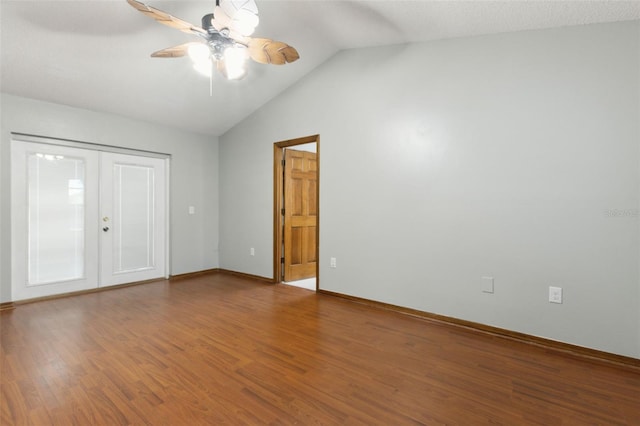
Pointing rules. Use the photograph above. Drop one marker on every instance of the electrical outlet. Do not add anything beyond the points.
(332, 262)
(252, 251)
(555, 294)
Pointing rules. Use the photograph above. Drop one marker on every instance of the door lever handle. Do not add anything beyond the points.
(105, 229)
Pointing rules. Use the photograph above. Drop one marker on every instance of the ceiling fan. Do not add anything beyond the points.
(225, 39)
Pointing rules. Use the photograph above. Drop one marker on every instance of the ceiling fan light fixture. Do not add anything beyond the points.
(198, 52)
(227, 44)
(204, 67)
(235, 62)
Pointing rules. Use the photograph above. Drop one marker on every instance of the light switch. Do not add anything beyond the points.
(487, 284)
(192, 210)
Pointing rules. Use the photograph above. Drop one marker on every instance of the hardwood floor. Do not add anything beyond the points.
(221, 349)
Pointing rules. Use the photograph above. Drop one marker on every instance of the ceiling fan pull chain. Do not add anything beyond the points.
(211, 81)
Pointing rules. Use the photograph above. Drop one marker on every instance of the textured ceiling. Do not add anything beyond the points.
(95, 54)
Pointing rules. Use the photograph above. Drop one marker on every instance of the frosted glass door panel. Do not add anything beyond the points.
(56, 230)
(134, 216)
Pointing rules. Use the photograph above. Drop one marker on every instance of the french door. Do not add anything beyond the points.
(83, 219)
(132, 218)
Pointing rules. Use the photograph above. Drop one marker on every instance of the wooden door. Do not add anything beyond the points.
(300, 214)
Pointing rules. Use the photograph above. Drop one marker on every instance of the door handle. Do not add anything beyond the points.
(105, 229)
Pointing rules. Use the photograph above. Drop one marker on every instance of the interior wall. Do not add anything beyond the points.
(194, 174)
(513, 156)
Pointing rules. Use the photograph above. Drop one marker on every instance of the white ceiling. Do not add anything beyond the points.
(95, 54)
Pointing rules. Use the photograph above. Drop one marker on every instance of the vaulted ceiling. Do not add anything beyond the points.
(95, 54)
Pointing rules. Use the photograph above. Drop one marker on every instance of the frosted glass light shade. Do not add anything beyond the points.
(235, 62)
(203, 67)
(198, 52)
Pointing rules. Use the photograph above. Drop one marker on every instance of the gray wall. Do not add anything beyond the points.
(194, 174)
(515, 156)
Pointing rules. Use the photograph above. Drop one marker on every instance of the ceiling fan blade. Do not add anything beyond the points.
(173, 52)
(165, 18)
(240, 17)
(220, 19)
(233, 7)
(266, 51)
(243, 15)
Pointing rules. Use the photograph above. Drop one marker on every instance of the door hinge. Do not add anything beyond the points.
(282, 260)
(282, 212)
(283, 163)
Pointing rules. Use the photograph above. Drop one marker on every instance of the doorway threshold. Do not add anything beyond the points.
(309, 283)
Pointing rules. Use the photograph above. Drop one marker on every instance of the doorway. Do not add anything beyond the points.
(85, 218)
(296, 211)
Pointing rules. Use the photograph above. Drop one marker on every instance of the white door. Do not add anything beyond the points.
(53, 219)
(132, 192)
(60, 199)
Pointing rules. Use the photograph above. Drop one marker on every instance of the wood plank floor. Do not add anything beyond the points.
(221, 349)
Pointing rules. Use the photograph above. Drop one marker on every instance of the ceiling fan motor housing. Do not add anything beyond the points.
(217, 41)
(206, 23)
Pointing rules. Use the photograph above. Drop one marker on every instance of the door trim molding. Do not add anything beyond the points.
(24, 137)
(278, 150)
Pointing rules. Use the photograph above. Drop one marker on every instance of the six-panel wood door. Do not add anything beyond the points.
(300, 215)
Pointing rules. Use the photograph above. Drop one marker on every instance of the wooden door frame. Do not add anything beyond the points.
(278, 152)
